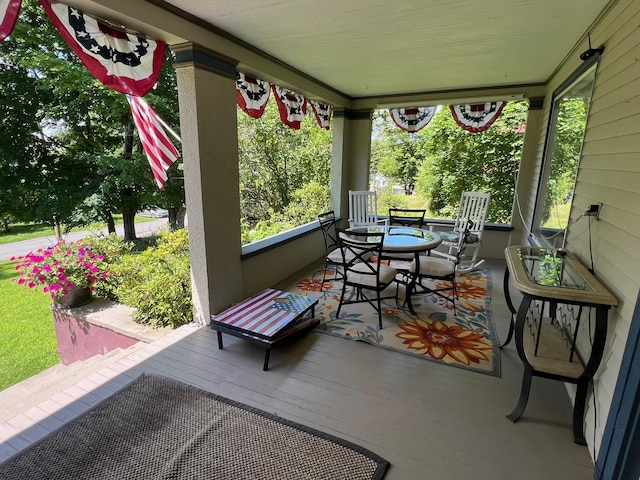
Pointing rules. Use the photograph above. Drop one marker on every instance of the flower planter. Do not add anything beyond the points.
(76, 297)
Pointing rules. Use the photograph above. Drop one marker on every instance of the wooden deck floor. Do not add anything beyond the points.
(430, 421)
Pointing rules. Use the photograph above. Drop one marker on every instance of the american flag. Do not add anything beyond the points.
(267, 313)
(161, 153)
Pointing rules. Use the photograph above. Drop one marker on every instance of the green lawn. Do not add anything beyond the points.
(27, 337)
(559, 216)
(27, 231)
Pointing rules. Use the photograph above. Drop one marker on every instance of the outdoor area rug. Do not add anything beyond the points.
(159, 428)
(466, 339)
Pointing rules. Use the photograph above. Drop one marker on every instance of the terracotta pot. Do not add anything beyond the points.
(76, 297)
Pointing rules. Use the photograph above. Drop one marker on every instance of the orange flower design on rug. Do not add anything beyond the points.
(443, 342)
(313, 285)
(470, 291)
(464, 338)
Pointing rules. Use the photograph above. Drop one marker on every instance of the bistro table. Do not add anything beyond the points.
(398, 240)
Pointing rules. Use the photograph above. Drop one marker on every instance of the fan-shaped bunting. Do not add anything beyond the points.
(125, 62)
(252, 94)
(322, 113)
(476, 117)
(292, 106)
(412, 119)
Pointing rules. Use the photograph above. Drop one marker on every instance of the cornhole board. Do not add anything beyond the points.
(266, 319)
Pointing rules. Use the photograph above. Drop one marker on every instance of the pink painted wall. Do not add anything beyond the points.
(80, 340)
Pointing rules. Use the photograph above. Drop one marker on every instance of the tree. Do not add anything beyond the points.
(21, 150)
(458, 161)
(395, 153)
(92, 166)
(277, 166)
(565, 153)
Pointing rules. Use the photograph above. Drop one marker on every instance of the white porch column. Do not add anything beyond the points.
(527, 183)
(351, 150)
(207, 99)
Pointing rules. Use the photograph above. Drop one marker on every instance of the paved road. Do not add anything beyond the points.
(25, 246)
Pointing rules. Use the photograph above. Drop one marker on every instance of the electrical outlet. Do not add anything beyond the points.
(594, 210)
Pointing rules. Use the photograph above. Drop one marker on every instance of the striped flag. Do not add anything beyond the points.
(9, 10)
(267, 313)
(161, 153)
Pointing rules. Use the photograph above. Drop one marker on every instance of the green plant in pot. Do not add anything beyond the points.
(68, 272)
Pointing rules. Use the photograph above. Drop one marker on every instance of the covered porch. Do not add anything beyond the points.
(430, 421)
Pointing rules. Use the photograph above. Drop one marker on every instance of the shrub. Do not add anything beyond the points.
(157, 282)
(113, 248)
(387, 199)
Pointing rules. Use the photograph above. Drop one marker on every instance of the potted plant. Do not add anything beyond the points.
(66, 271)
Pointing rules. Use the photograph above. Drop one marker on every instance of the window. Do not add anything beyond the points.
(285, 174)
(562, 156)
(431, 168)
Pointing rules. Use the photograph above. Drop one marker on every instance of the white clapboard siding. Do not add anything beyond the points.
(610, 173)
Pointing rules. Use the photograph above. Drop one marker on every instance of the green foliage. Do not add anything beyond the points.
(307, 202)
(563, 162)
(395, 153)
(281, 172)
(113, 248)
(73, 156)
(458, 161)
(22, 151)
(157, 282)
(387, 199)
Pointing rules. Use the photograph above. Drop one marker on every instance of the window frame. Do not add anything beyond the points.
(536, 232)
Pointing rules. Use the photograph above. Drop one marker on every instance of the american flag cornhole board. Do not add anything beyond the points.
(266, 318)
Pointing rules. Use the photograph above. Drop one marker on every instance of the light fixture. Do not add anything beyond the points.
(587, 54)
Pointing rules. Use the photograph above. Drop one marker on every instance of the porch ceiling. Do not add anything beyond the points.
(366, 48)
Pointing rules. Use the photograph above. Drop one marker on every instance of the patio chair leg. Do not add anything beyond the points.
(344, 288)
(324, 274)
(455, 295)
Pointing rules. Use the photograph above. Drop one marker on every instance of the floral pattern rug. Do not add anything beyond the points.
(466, 339)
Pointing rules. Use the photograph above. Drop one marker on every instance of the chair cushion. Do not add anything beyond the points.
(387, 275)
(335, 256)
(436, 267)
(454, 237)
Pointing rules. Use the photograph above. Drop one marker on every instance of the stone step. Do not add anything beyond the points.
(30, 392)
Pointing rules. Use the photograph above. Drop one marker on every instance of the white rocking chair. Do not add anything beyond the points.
(363, 209)
(473, 207)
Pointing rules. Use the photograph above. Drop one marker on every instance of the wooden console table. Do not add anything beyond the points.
(552, 282)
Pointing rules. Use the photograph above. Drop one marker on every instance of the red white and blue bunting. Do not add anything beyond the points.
(412, 119)
(125, 62)
(322, 112)
(477, 117)
(9, 10)
(252, 94)
(292, 106)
